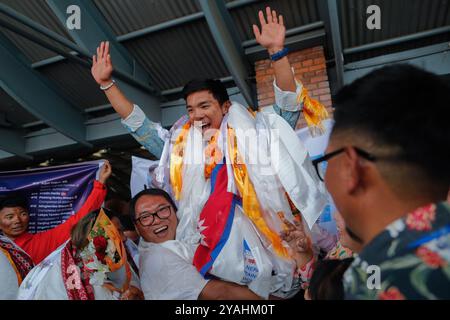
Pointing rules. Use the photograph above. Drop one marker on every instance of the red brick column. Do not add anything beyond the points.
(309, 67)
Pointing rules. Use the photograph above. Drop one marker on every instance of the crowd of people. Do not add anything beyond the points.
(227, 227)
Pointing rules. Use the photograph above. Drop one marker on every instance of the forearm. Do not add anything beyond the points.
(119, 102)
(222, 290)
(283, 74)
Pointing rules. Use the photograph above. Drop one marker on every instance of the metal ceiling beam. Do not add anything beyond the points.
(435, 58)
(177, 22)
(31, 91)
(106, 130)
(397, 40)
(295, 42)
(290, 32)
(13, 142)
(98, 130)
(82, 52)
(226, 37)
(94, 29)
(179, 89)
(331, 18)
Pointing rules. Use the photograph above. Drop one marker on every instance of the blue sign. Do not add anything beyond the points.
(53, 193)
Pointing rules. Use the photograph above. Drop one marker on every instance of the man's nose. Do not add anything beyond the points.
(156, 219)
(16, 219)
(198, 115)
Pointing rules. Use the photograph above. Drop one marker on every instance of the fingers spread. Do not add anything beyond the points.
(274, 16)
(106, 53)
(262, 20)
(281, 20)
(256, 32)
(269, 15)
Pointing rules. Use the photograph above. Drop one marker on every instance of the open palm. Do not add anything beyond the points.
(101, 64)
(272, 32)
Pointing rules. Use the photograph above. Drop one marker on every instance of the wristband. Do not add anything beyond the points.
(280, 54)
(107, 86)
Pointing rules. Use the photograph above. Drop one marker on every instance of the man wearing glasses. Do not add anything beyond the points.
(387, 171)
(165, 275)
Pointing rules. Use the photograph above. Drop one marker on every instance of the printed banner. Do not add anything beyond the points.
(53, 193)
(316, 148)
(141, 174)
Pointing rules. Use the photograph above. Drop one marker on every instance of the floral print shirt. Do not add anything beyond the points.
(410, 259)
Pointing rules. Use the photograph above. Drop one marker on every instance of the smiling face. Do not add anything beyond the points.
(204, 110)
(14, 221)
(161, 229)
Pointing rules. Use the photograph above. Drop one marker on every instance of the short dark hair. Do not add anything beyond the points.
(13, 201)
(150, 192)
(326, 281)
(216, 88)
(400, 107)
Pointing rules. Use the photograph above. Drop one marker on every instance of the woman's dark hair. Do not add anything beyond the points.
(80, 231)
(216, 88)
(150, 192)
(326, 281)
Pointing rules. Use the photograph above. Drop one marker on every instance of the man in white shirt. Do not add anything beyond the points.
(165, 274)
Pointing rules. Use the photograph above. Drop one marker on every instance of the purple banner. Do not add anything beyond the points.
(53, 194)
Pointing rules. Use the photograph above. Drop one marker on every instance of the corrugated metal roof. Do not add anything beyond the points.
(75, 83)
(13, 112)
(131, 15)
(398, 18)
(39, 11)
(177, 55)
(295, 13)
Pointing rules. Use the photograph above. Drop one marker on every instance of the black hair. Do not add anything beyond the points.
(13, 201)
(125, 219)
(216, 87)
(150, 192)
(326, 281)
(403, 108)
(127, 222)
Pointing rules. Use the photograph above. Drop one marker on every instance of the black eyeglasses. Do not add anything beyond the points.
(147, 218)
(321, 169)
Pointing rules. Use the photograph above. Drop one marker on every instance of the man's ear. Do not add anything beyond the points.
(353, 170)
(225, 107)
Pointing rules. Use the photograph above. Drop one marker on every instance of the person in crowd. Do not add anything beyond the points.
(92, 265)
(326, 281)
(224, 182)
(165, 274)
(131, 248)
(346, 245)
(14, 219)
(14, 266)
(308, 263)
(22, 250)
(388, 175)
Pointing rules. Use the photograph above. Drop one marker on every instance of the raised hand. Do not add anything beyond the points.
(101, 65)
(272, 32)
(132, 293)
(105, 172)
(298, 241)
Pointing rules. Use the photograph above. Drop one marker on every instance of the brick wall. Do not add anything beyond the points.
(309, 67)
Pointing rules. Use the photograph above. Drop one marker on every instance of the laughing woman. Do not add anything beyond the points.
(92, 265)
